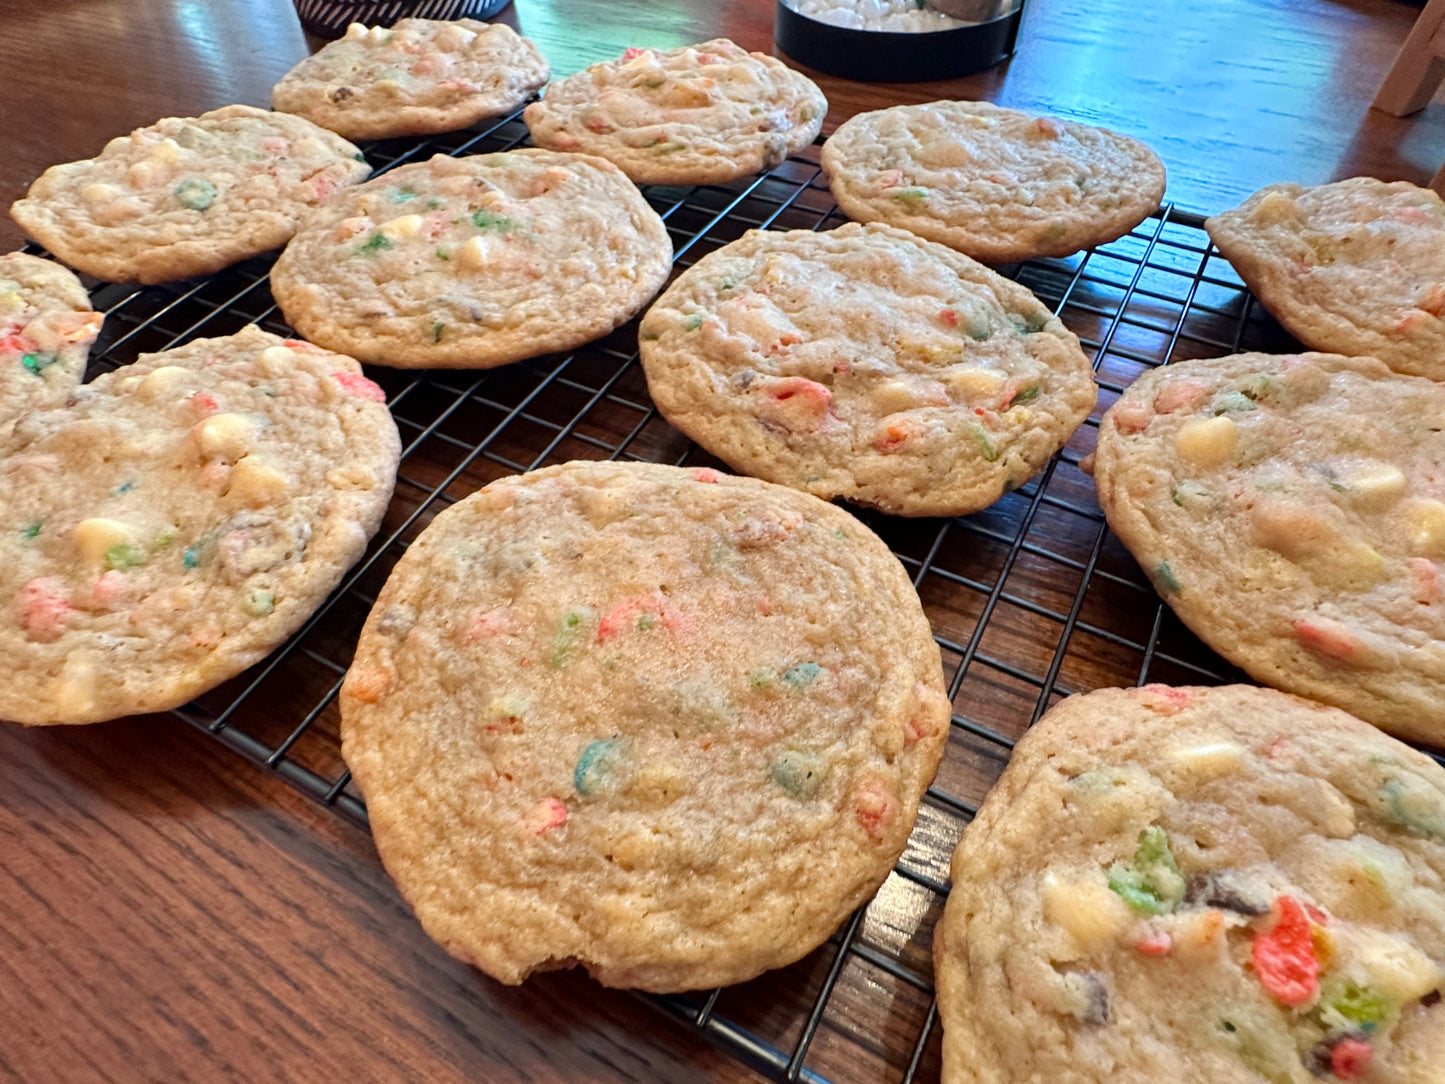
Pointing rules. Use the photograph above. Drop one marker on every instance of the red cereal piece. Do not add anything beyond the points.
(1131, 417)
(1434, 300)
(1155, 942)
(1350, 1058)
(706, 474)
(42, 607)
(203, 404)
(1329, 638)
(1049, 127)
(1424, 580)
(549, 813)
(368, 686)
(1185, 394)
(355, 384)
(1284, 957)
(109, 588)
(297, 344)
(597, 123)
(16, 344)
(874, 807)
(890, 437)
(1411, 321)
(1318, 917)
(633, 53)
(949, 318)
(1164, 699)
(488, 625)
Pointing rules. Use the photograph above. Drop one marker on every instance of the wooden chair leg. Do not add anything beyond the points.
(1419, 69)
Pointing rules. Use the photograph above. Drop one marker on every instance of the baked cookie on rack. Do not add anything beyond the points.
(666, 724)
(702, 114)
(417, 77)
(1354, 267)
(998, 184)
(1229, 885)
(1290, 510)
(865, 363)
(474, 262)
(46, 328)
(188, 195)
(178, 519)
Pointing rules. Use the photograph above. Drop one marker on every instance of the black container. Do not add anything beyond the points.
(330, 18)
(886, 56)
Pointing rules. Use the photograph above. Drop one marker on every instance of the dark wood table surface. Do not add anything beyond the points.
(169, 912)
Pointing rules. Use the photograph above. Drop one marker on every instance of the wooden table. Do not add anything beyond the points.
(167, 911)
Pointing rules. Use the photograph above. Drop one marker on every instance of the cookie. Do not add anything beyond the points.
(865, 363)
(188, 195)
(667, 724)
(702, 114)
(178, 519)
(45, 336)
(1355, 267)
(418, 77)
(1291, 511)
(474, 262)
(1229, 885)
(997, 184)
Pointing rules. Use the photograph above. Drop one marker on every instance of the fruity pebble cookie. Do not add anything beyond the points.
(188, 195)
(178, 519)
(474, 262)
(1292, 512)
(46, 328)
(1355, 267)
(701, 114)
(865, 363)
(1229, 885)
(418, 77)
(995, 183)
(667, 724)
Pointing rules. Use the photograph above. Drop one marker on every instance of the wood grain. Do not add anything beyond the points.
(170, 913)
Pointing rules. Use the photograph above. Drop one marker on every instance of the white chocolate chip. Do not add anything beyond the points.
(96, 536)
(355, 31)
(1208, 761)
(255, 483)
(276, 360)
(453, 39)
(1396, 968)
(1425, 527)
(147, 173)
(1275, 207)
(472, 255)
(75, 690)
(161, 383)
(1092, 914)
(403, 228)
(227, 436)
(1208, 443)
(973, 383)
(1374, 486)
(167, 152)
(100, 192)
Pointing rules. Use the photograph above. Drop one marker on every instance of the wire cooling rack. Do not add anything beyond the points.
(1030, 600)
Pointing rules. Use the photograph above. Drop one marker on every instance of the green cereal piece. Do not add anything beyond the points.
(646, 621)
(1414, 804)
(196, 193)
(1028, 394)
(258, 602)
(571, 634)
(1029, 325)
(443, 254)
(402, 195)
(1232, 402)
(485, 220)
(1153, 885)
(377, 242)
(693, 322)
(598, 768)
(802, 675)
(799, 772)
(125, 555)
(359, 156)
(986, 445)
(436, 331)
(30, 530)
(669, 148)
(1345, 1004)
(1164, 578)
(910, 195)
(1186, 493)
(38, 361)
(979, 329)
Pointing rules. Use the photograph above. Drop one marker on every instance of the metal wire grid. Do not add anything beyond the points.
(1030, 600)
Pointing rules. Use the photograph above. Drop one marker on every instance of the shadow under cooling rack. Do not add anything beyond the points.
(1030, 600)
